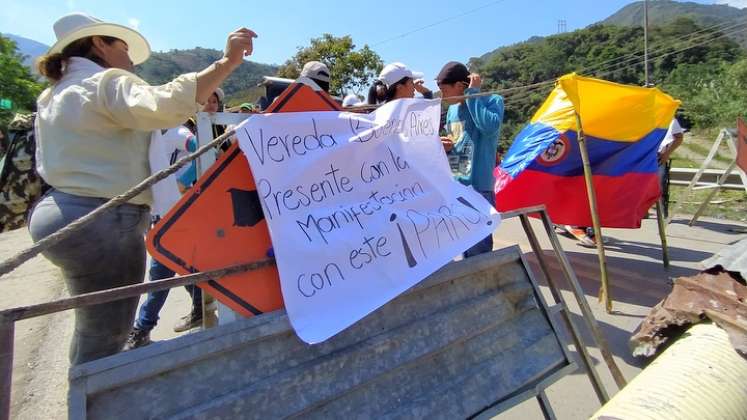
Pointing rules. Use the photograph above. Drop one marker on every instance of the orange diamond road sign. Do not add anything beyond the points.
(219, 223)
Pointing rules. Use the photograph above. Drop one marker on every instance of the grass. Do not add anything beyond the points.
(733, 204)
(726, 204)
(680, 162)
(702, 150)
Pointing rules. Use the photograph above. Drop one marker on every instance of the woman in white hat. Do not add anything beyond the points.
(93, 131)
(396, 81)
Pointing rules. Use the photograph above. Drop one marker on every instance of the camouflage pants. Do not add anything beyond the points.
(107, 253)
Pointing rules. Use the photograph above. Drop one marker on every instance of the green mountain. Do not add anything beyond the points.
(661, 12)
(161, 67)
(703, 68)
(240, 86)
(29, 48)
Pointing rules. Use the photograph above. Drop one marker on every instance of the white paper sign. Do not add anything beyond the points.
(360, 207)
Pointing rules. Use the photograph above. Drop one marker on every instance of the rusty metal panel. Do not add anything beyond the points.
(468, 338)
(715, 295)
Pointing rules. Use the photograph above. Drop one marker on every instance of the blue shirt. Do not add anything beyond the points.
(475, 126)
(189, 177)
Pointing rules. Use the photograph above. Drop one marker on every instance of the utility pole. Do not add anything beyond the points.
(645, 42)
(562, 26)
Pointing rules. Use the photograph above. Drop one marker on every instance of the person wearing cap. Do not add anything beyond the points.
(351, 100)
(473, 125)
(247, 108)
(398, 82)
(215, 104)
(316, 75)
(93, 133)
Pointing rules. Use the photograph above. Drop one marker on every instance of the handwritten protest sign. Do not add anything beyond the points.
(359, 207)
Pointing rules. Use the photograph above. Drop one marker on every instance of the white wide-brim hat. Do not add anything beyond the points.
(75, 26)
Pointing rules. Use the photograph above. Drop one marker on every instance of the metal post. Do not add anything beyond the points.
(696, 177)
(662, 231)
(645, 42)
(578, 293)
(716, 188)
(6, 367)
(534, 243)
(544, 404)
(586, 360)
(604, 293)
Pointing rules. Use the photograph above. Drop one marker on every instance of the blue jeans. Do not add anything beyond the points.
(149, 310)
(486, 244)
(108, 252)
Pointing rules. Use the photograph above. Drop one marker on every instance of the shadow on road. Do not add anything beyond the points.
(726, 226)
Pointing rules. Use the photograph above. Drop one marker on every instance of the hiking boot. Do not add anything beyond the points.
(187, 322)
(137, 338)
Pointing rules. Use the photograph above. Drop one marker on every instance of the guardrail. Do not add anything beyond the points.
(9, 316)
(683, 176)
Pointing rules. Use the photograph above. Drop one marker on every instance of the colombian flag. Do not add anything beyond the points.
(623, 126)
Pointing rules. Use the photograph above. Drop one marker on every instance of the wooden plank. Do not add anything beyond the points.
(110, 295)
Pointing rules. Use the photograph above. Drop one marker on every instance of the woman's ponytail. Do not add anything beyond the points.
(376, 93)
(50, 66)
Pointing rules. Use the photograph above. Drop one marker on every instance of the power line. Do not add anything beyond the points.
(522, 96)
(450, 18)
(635, 57)
(704, 40)
(619, 66)
(523, 92)
(636, 54)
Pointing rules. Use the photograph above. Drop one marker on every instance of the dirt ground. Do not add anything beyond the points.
(41, 346)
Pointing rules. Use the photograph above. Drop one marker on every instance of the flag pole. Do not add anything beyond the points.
(660, 203)
(604, 295)
(662, 231)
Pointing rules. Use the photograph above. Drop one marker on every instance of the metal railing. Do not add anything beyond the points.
(8, 317)
(708, 179)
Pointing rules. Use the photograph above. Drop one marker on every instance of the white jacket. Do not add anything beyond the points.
(93, 128)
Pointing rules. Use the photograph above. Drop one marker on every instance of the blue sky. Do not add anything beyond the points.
(284, 25)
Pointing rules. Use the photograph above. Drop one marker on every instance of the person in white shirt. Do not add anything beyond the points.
(396, 81)
(672, 140)
(316, 75)
(351, 100)
(93, 132)
(166, 147)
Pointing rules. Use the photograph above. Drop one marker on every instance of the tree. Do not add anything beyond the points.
(703, 71)
(16, 81)
(351, 70)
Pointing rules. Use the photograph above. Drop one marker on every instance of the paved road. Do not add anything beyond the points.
(638, 282)
(40, 365)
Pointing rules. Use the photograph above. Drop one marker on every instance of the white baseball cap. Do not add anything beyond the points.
(75, 26)
(316, 70)
(351, 100)
(220, 94)
(394, 72)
